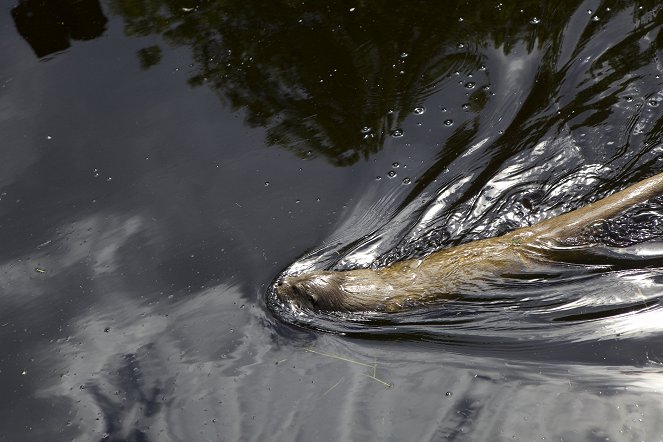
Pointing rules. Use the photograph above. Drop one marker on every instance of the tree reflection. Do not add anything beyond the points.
(48, 26)
(336, 79)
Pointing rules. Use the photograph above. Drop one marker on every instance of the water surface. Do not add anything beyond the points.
(165, 161)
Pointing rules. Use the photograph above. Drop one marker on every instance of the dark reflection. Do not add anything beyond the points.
(132, 400)
(48, 26)
(337, 80)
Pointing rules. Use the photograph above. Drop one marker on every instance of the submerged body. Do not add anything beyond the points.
(444, 273)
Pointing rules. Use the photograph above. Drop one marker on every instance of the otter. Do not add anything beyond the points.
(442, 274)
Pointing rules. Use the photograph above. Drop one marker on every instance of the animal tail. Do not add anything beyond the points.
(572, 223)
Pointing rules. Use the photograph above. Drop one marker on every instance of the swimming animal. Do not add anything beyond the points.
(442, 274)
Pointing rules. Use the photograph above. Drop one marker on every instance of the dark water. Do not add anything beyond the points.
(163, 161)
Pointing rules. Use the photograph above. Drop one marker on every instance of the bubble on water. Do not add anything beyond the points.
(365, 130)
(482, 68)
(628, 99)
(486, 88)
(378, 178)
(404, 54)
(448, 122)
(266, 183)
(406, 181)
(535, 20)
(595, 18)
(395, 165)
(589, 11)
(470, 85)
(461, 45)
(444, 109)
(298, 201)
(397, 133)
(653, 103)
(419, 110)
(448, 393)
(110, 178)
(391, 174)
(95, 173)
(460, 18)
(465, 107)
(107, 329)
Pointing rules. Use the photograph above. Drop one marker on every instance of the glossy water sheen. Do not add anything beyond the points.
(164, 161)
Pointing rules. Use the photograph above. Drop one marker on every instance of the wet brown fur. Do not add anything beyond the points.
(438, 276)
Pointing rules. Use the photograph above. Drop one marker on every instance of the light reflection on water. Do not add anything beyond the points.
(207, 366)
(194, 373)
